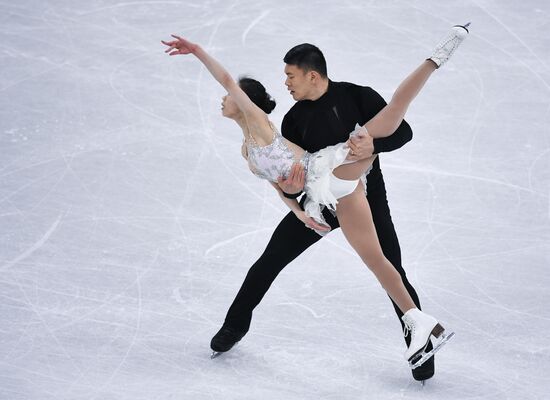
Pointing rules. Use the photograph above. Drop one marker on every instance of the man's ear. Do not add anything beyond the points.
(314, 76)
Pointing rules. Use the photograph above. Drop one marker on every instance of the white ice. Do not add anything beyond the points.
(128, 218)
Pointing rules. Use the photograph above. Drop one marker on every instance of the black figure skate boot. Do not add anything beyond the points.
(224, 340)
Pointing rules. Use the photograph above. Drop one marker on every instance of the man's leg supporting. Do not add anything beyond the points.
(289, 240)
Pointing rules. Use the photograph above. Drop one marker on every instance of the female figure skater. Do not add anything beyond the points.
(330, 180)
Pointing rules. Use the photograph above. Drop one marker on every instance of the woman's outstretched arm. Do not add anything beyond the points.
(184, 46)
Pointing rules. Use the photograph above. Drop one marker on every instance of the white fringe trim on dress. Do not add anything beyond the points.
(317, 186)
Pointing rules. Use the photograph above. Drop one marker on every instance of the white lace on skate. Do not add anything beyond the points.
(447, 46)
(408, 328)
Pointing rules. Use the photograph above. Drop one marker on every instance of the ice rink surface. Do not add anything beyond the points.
(128, 218)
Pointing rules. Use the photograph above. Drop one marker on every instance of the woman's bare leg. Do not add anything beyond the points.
(355, 219)
(354, 170)
(388, 119)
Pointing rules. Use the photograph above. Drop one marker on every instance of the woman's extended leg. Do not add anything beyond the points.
(355, 219)
(388, 119)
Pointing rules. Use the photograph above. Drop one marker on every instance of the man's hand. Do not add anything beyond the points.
(311, 223)
(295, 181)
(179, 46)
(361, 146)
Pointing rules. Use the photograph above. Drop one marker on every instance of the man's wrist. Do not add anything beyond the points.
(292, 196)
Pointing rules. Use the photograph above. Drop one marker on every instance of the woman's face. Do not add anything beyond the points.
(229, 107)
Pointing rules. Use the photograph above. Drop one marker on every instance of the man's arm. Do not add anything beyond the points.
(371, 103)
(398, 139)
(287, 127)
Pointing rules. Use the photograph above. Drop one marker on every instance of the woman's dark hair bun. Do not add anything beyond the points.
(257, 93)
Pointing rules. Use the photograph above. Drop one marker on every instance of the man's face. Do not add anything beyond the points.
(298, 82)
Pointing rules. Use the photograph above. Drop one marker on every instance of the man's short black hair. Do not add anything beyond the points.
(308, 58)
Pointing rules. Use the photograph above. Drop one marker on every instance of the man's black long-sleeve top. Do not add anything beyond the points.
(329, 120)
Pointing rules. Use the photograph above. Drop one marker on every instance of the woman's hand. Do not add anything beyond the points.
(311, 223)
(179, 46)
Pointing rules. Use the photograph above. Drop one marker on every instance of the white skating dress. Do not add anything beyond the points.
(322, 188)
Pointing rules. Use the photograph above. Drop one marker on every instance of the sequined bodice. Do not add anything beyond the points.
(271, 161)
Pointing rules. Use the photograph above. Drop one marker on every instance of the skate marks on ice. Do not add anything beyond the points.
(34, 247)
(76, 322)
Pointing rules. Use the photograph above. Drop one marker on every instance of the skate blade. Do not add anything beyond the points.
(426, 356)
(215, 354)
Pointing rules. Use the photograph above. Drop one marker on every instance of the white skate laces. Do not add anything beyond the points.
(408, 328)
(445, 49)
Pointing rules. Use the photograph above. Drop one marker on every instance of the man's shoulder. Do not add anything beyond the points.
(299, 107)
(338, 90)
(351, 87)
(294, 109)
(344, 85)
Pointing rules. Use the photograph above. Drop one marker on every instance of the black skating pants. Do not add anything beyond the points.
(291, 238)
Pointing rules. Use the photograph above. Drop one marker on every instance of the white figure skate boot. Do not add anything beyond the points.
(421, 326)
(447, 46)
